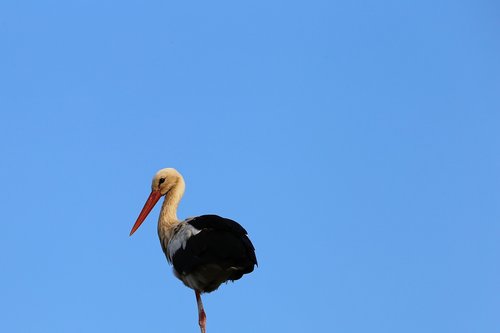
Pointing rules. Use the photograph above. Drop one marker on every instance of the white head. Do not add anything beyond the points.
(167, 182)
(167, 179)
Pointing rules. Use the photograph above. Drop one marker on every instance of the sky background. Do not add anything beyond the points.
(356, 141)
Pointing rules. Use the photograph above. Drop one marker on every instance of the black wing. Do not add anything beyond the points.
(222, 242)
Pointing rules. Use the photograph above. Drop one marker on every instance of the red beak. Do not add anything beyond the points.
(148, 206)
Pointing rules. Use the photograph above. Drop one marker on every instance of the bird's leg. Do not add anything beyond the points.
(202, 317)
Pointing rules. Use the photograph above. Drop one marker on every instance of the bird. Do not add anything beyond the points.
(205, 251)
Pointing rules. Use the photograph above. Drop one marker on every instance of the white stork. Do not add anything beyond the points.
(205, 250)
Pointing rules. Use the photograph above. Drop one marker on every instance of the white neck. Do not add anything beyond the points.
(168, 214)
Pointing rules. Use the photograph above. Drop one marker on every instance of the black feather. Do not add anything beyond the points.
(221, 242)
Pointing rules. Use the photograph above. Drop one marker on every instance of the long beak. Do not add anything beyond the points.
(148, 206)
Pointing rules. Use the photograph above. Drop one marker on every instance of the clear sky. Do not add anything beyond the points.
(356, 141)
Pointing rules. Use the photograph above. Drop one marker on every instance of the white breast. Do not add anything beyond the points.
(182, 233)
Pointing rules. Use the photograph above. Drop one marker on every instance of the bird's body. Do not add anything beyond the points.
(208, 250)
(205, 251)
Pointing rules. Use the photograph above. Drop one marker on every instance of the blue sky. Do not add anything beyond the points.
(356, 141)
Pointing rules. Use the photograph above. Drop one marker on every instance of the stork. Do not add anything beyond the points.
(206, 250)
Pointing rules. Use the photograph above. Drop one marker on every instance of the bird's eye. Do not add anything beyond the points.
(162, 180)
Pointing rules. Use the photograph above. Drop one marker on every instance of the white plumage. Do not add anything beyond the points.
(182, 232)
